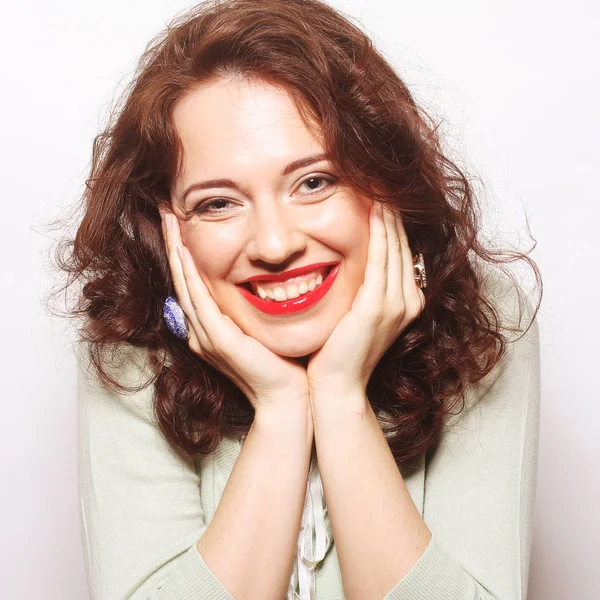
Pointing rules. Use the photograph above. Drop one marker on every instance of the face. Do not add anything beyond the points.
(270, 217)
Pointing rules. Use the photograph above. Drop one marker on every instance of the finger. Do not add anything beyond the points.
(414, 296)
(377, 259)
(377, 264)
(395, 287)
(205, 309)
(214, 330)
(173, 239)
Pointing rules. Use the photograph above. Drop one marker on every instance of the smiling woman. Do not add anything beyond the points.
(271, 175)
(283, 207)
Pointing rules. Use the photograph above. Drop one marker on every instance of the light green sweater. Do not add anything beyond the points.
(143, 508)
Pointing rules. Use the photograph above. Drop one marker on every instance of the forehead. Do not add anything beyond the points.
(238, 121)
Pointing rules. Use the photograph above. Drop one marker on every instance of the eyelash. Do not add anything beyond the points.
(202, 207)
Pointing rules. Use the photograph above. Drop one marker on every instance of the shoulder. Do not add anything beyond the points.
(514, 305)
(512, 386)
(129, 366)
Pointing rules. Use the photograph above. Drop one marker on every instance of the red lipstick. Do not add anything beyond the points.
(272, 307)
(287, 274)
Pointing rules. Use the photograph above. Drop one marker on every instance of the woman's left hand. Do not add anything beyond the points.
(385, 304)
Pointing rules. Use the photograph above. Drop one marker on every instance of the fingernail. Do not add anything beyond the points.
(169, 220)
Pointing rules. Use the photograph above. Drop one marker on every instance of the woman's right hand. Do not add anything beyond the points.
(271, 382)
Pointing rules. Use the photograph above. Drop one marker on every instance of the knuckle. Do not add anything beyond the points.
(400, 307)
(397, 308)
(195, 346)
(415, 309)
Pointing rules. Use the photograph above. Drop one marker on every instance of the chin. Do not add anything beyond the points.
(291, 351)
(295, 348)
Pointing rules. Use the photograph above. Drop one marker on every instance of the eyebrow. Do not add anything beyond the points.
(210, 183)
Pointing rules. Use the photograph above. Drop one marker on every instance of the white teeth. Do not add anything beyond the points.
(279, 294)
(292, 291)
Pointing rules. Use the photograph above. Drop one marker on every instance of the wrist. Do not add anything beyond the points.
(336, 400)
(284, 414)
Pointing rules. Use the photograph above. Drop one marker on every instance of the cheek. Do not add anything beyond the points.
(352, 230)
(213, 254)
(342, 223)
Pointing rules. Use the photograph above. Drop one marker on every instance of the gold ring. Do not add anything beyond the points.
(420, 273)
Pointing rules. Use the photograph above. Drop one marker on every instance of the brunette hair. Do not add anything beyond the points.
(382, 144)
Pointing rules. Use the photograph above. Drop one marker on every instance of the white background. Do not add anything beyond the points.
(516, 83)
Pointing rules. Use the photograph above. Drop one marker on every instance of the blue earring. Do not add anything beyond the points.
(175, 319)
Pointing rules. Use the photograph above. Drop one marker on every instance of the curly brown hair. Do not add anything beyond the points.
(380, 141)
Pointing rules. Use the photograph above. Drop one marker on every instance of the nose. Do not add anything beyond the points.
(274, 235)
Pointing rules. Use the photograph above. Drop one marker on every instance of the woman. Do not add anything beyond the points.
(284, 270)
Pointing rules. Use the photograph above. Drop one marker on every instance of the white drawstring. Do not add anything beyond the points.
(313, 539)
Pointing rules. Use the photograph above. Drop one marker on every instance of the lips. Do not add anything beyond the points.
(269, 286)
(270, 278)
(288, 307)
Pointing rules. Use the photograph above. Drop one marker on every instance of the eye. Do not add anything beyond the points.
(318, 178)
(204, 207)
(220, 205)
